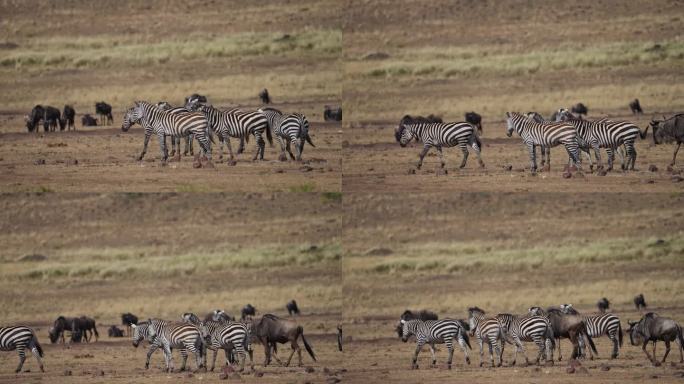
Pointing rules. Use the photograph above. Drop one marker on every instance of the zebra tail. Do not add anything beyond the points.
(308, 140)
(306, 344)
(643, 134)
(620, 334)
(681, 338)
(591, 342)
(475, 139)
(466, 339)
(269, 137)
(550, 336)
(39, 348)
(95, 330)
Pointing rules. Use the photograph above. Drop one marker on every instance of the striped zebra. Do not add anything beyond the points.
(487, 329)
(545, 151)
(212, 331)
(239, 124)
(433, 332)
(20, 337)
(291, 129)
(528, 328)
(599, 325)
(546, 135)
(167, 335)
(169, 123)
(621, 133)
(440, 135)
(175, 141)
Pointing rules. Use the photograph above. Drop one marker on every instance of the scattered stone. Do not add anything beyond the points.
(33, 257)
(602, 172)
(99, 373)
(309, 370)
(278, 170)
(333, 380)
(508, 167)
(582, 370)
(570, 370)
(647, 181)
(197, 164)
(574, 363)
(72, 162)
(605, 367)
(677, 179)
(657, 363)
(327, 371)
(376, 56)
(51, 145)
(567, 175)
(258, 374)
(306, 168)
(67, 372)
(652, 168)
(39, 162)
(412, 171)
(654, 376)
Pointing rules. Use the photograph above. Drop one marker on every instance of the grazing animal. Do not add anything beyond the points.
(104, 110)
(33, 119)
(248, 310)
(20, 337)
(168, 335)
(265, 98)
(653, 328)
(487, 329)
(603, 305)
(339, 337)
(528, 328)
(175, 141)
(669, 130)
(475, 119)
(640, 302)
(292, 129)
(62, 324)
(88, 121)
(332, 113)
(232, 337)
(87, 324)
(271, 329)
(433, 332)
(580, 109)
(598, 325)
(52, 118)
(440, 135)
(68, 118)
(423, 315)
(115, 331)
(292, 308)
(218, 315)
(565, 326)
(635, 107)
(194, 99)
(127, 320)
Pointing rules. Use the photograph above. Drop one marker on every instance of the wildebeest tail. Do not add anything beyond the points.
(306, 343)
(643, 134)
(620, 335)
(308, 140)
(680, 337)
(97, 335)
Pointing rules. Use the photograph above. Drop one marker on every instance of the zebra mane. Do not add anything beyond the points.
(271, 109)
(475, 309)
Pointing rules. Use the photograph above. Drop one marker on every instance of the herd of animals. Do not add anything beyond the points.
(566, 127)
(543, 327)
(217, 331)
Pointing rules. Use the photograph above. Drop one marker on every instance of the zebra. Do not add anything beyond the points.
(440, 135)
(544, 134)
(291, 129)
(528, 328)
(232, 337)
(622, 133)
(433, 332)
(487, 329)
(239, 124)
(175, 141)
(599, 325)
(169, 123)
(21, 337)
(168, 335)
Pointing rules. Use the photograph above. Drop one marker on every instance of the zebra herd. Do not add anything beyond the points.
(544, 328)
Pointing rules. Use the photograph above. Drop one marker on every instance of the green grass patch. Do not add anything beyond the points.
(306, 187)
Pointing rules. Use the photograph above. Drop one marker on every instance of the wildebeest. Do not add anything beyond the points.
(292, 308)
(68, 117)
(566, 326)
(652, 327)
(62, 324)
(104, 110)
(669, 130)
(32, 119)
(423, 315)
(271, 329)
(52, 118)
(218, 315)
(332, 113)
(475, 119)
(640, 302)
(87, 324)
(248, 310)
(195, 98)
(603, 305)
(635, 106)
(264, 96)
(88, 121)
(115, 331)
(128, 319)
(580, 109)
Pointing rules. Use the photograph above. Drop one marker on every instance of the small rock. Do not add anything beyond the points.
(189, 375)
(654, 376)
(309, 370)
(197, 164)
(67, 372)
(412, 171)
(605, 367)
(647, 181)
(278, 170)
(258, 374)
(582, 370)
(677, 179)
(570, 370)
(652, 168)
(332, 380)
(602, 172)
(657, 363)
(380, 252)
(39, 162)
(574, 363)
(327, 371)
(306, 168)
(567, 175)
(72, 162)
(507, 167)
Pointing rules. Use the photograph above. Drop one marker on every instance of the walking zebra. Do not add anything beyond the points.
(212, 333)
(599, 325)
(433, 332)
(20, 337)
(620, 133)
(440, 135)
(544, 134)
(292, 129)
(487, 329)
(528, 328)
(175, 141)
(168, 123)
(168, 335)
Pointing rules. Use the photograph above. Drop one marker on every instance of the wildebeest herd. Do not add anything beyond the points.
(216, 331)
(544, 327)
(51, 117)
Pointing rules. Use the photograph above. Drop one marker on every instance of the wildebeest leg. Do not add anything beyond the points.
(533, 157)
(267, 352)
(667, 350)
(294, 347)
(464, 149)
(643, 348)
(414, 362)
(422, 154)
(674, 157)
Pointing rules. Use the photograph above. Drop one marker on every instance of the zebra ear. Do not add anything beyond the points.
(402, 321)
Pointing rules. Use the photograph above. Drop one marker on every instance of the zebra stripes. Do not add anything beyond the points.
(291, 129)
(168, 335)
(546, 135)
(433, 332)
(440, 135)
(487, 329)
(599, 325)
(21, 338)
(232, 336)
(528, 328)
(622, 133)
(175, 141)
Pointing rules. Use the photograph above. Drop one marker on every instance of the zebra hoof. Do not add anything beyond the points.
(197, 164)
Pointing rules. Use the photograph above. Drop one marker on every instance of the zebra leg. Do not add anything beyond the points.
(162, 147)
(22, 358)
(184, 358)
(450, 349)
(616, 348)
(213, 360)
(289, 150)
(549, 349)
(153, 347)
(414, 362)
(481, 343)
(533, 157)
(464, 149)
(226, 140)
(299, 146)
(36, 354)
(441, 159)
(142, 154)
(261, 144)
(633, 157)
(283, 156)
(491, 354)
(462, 344)
(541, 343)
(432, 352)
(422, 154)
(499, 352)
(173, 146)
(478, 153)
(241, 148)
(597, 153)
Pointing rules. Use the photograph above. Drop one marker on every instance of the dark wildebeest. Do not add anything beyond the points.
(104, 110)
(332, 113)
(603, 305)
(652, 327)
(68, 117)
(408, 119)
(567, 326)
(115, 331)
(51, 118)
(271, 329)
(669, 130)
(88, 121)
(635, 106)
(339, 337)
(62, 324)
(194, 99)
(218, 315)
(580, 109)
(292, 308)
(423, 315)
(640, 302)
(32, 119)
(87, 324)
(475, 119)
(265, 98)
(128, 319)
(248, 310)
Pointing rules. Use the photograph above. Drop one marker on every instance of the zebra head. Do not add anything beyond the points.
(139, 333)
(474, 313)
(403, 135)
(191, 318)
(536, 311)
(407, 329)
(512, 119)
(564, 115)
(635, 332)
(131, 117)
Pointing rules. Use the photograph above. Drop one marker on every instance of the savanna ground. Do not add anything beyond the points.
(451, 57)
(160, 255)
(505, 253)
(121, 51)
